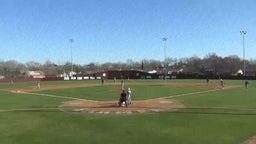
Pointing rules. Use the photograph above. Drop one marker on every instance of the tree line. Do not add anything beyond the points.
(211, 63)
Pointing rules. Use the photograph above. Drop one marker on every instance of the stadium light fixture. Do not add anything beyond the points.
(243, 33)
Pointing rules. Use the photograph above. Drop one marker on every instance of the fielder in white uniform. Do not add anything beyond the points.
(129, 96)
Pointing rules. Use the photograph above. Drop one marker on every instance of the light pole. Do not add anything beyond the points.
(243, 33)
(164, 39)
(71, 53)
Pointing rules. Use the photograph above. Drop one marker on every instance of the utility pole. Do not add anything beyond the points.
(164, 39)
(243, 33)
(71, 40)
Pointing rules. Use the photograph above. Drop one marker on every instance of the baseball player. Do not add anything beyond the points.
(123, 98)
(247, 84)
(129, 96)
(38, 84)
(222, 83)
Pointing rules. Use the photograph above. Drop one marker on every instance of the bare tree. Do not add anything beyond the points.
(12, 69)
(211, 63)
(50, 68)
(33, 65)
(232, 64)
(194, 65)
(92, 67)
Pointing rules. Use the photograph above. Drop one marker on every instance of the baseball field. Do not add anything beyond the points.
(162, 111)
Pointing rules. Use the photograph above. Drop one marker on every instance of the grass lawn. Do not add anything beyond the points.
(219, 117)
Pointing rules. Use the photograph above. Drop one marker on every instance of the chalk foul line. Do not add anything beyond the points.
(27, 109)
(55, 96)
(192, 93)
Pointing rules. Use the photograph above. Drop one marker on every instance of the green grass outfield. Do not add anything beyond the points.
(211, 117)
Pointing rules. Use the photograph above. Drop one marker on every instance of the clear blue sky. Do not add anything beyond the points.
(117, 30)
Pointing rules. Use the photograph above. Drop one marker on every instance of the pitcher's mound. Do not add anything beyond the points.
(111, 107)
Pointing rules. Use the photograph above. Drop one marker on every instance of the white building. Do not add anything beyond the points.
(36, 74)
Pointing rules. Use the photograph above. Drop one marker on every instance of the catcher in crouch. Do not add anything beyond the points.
(122, 99)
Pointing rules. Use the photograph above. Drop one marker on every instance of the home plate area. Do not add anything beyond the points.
(111, 107)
